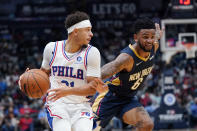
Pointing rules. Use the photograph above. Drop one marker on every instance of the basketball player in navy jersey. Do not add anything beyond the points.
(127, 74)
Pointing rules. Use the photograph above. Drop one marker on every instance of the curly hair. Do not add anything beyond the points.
(143, 23)
(75, 18)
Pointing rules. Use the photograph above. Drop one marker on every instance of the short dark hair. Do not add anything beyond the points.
(143, 23)
(75, 17)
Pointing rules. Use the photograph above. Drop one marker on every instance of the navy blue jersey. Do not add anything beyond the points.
(122, 89)
(127, 83)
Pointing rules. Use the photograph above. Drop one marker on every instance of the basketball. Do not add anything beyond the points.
(34, 83)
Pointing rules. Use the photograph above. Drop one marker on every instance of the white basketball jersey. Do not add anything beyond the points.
(68, 72)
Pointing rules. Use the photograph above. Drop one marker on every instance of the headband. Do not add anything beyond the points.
(82, 24)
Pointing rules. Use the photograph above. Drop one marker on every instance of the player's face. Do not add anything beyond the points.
(146, 38)
(85, 35)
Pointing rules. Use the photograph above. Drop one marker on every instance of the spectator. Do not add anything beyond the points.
(7, 126)
(26, 123)
(193, 109)
(42, 119)
(26, 109)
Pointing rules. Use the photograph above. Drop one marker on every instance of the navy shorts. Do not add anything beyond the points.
(107, 105)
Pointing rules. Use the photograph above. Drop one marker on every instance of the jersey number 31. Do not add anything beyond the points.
(71, 84)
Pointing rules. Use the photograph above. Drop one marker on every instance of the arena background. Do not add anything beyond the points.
(170, 93)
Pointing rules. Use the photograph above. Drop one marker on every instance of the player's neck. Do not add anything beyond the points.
(141, 52)
(144, 54)
(72, 46)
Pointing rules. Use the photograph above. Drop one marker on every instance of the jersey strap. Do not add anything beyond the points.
(86, 55)
(54, 54)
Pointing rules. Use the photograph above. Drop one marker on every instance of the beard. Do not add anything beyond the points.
(143, 47)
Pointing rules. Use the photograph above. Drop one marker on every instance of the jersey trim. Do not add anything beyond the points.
(98, 101)
(142, 58)
(52, 115)
(50, 119)
(85, 57)
(64, 52)
(116, 81)
(54, 54)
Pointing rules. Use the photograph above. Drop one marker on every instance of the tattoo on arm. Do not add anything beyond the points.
(123, 61)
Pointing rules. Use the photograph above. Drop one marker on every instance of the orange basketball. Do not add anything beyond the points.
(34, 83)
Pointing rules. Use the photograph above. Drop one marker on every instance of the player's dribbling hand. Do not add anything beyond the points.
(99, 85)
(57, 93)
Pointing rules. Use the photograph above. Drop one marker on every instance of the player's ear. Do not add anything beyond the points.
(75, 31)
(135, 37)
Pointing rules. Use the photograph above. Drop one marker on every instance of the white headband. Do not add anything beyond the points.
(82, 24)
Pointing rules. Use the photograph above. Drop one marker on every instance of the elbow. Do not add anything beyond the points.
(103, 76)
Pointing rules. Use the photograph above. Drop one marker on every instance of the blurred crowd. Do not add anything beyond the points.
(23, 47)
(17, 111)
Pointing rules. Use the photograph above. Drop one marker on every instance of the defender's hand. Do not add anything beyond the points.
(158, 32)
(99, 85)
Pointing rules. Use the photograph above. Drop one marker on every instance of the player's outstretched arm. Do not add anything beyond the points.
(88, 89)
(158, 34)
(122, 62)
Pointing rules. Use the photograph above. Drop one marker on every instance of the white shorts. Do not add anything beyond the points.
(70, 112)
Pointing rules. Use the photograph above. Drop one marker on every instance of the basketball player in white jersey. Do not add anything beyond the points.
(71, 64)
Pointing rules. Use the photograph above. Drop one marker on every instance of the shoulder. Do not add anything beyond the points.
(124, 57)
(125, 60)
(92, 53)
(92, 50)
(128, 49)
(50, 45)
(93, 56)
(54, 43)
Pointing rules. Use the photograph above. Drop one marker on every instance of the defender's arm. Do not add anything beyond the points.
(122, 62)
